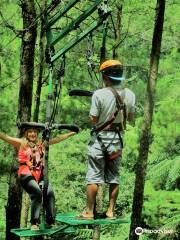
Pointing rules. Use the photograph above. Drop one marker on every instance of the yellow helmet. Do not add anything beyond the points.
(113, 69)
(109, 63)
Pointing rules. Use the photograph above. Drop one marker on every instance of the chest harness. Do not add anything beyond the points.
(34, 159)
(110, 126)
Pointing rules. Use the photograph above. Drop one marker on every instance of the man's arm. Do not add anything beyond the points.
(130, 100)
(94, 110)
(131, 118)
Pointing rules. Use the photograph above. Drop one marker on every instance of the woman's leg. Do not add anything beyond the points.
(50, 206)
(33, 189)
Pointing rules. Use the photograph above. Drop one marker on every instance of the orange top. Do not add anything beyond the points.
(30, 159)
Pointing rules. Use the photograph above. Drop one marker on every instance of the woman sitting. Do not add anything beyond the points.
(31, 160)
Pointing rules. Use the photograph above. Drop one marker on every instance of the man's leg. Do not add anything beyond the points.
(91, 198)
(91, 192)
(94, 176)
(113, 194)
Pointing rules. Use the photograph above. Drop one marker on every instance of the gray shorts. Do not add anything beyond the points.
(99, 169)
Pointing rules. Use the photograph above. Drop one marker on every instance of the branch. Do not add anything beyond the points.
(53, 5)
(11, 27)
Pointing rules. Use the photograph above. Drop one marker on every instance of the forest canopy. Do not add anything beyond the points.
(129, 39)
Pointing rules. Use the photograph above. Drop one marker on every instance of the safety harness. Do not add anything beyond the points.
(110, 126)
(121, 107)
(35, 167)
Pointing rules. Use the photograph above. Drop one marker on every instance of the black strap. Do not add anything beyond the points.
(104, 125)
(104, 148)
(21, 164)
(120, 105)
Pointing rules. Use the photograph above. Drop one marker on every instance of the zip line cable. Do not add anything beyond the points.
(57, 93)
(89, 57)
(56, 102)
(15, 79)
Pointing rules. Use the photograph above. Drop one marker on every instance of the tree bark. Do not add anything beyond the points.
(27, 60)
(41, 67)
(24, 210)
(145, 139)
(118, 31)
(99, 206)
(13, 209)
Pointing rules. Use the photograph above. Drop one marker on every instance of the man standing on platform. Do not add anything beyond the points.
(111, 107)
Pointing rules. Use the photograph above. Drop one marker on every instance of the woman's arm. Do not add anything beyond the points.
(15, 142)
(61, 138)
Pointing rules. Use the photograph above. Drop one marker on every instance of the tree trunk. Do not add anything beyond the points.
(118, 31)
(13, 208)
(24, 210)
(99, 206)
(41, 68)
(27, 60)
(145, 139)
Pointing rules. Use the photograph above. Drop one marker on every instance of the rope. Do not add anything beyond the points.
(57, 92)
(89, 56)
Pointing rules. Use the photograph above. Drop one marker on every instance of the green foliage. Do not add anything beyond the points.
(161, 210)
(67, 162)
(67, 170)
(119, 232)
(165, 175)
(130, 151)
(3, 198)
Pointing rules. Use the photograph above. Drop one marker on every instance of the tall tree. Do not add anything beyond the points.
(41, 61)
(145, 139)
(24, 108)
(117, 31)
(27, 60)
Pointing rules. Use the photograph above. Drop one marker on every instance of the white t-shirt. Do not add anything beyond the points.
(103, 104)
(103, 107)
